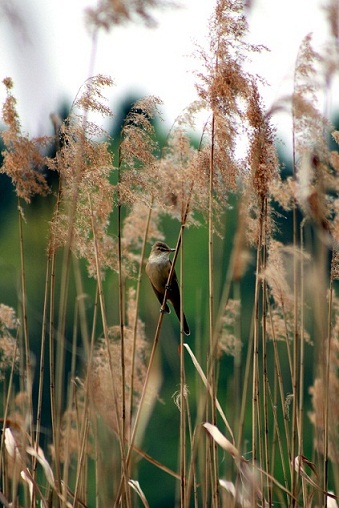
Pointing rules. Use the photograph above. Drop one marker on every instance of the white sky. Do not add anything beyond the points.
(51, 60)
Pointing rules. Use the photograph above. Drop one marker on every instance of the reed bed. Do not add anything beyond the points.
(254, 413)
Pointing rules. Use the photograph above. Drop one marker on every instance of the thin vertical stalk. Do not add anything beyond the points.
(191, 476)
(57, 347)
(301, 361)
(71, 399)
(81, 298)
(86, 384)
(96, 462)
(137, 298)
(327, 387)
(27, 370)
(211, 370)
(183, 479)
(122, 328)
(122, 340)
(257, 446)
(42, 364)
(237, 360)
(278, 437)
(255, 372)
(245, 390)
(55, 432)
(7, 394)
(51, 332)
(183, 391)
(277, 369)
(124, 463)
(81, 456)
(295, 385)
(295, 367)
(61, 329)
(264, 348)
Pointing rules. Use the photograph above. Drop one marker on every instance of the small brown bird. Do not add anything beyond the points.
(158, 268)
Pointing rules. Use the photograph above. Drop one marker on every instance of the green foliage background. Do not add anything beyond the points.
(161, 437)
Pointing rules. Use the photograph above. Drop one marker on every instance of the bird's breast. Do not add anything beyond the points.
(157, 271)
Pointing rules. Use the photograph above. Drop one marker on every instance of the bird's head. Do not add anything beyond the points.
(160, 247)
(160, 250)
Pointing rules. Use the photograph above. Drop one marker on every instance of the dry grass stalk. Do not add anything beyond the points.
(100, 385)
(84, 165)
(318, 391)
(23, 160)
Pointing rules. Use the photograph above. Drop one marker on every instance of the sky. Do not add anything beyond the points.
(48, 53)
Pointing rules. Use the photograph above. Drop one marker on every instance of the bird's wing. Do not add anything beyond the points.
(174, 297)
(160, 297)
(174, 291)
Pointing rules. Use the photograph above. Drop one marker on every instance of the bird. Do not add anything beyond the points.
(157, 269)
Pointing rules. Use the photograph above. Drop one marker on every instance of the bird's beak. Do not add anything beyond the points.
(172, 250)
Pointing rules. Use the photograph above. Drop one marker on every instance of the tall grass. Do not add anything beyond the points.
(260, 368)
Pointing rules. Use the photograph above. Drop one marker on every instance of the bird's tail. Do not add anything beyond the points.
(186, 327)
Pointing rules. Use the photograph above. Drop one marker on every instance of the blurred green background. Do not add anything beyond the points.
(162, 434)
